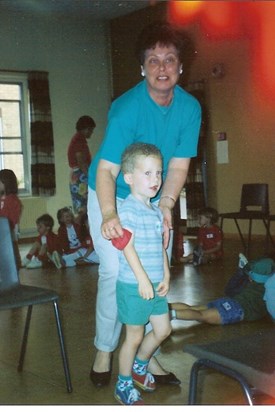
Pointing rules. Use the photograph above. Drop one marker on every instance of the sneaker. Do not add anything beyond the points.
(242, 261)
(25, 261)
(128, 396)
(145, 382)
(34, 263)
(187, 259)
(56, 259)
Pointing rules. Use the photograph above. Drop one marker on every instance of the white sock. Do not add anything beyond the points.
(173, 314)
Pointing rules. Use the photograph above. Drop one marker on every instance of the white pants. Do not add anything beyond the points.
(70, 258)
(108, 327)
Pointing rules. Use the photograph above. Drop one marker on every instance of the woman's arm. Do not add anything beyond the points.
(173, 184)
(81, 162)
(107, 173)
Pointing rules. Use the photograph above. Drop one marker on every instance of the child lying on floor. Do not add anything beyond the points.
(248, 304)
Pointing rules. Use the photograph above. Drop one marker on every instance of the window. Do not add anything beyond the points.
(15, 128)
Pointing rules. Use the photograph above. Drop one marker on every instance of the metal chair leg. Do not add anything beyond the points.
(25, 339)
(62, 347)
(206, 363)
(240, 233)
(192, 397)
(249, 238)
(268, 236)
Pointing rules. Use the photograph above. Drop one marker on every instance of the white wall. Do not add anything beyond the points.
(249, 121)
(76, 55)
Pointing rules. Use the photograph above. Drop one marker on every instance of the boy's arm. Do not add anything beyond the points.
(213, 249)
(163, 287)
(145, 287)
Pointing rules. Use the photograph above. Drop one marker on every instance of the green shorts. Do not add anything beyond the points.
(133, 309)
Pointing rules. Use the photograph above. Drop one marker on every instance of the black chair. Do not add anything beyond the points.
(249, 359)
(13, 295)
(254, 206)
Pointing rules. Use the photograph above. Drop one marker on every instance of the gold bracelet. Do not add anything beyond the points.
(168, 197)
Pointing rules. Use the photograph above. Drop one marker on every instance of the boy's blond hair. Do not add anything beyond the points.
(135, 150)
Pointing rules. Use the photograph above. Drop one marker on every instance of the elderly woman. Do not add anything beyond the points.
(155, 111)
(79, 159)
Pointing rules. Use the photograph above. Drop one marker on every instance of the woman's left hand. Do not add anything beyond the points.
(167, 224)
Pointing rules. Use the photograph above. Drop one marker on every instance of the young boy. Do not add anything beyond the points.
(143, 280)
(210, 239)
(46, 242)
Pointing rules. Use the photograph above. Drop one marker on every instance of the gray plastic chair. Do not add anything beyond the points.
(13, 295)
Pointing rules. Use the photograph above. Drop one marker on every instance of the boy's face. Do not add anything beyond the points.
(204, 221)
(42, 229)
(146, 179)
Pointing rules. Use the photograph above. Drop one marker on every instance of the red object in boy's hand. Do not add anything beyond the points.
(121, 242)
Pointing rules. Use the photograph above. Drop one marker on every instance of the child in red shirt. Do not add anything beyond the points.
(45, 244)
(210, 239)
(74, 241)
(11, 207)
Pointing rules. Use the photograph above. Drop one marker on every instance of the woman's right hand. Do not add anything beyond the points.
(111, 227)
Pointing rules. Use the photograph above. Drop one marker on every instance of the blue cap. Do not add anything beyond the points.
(260, 269)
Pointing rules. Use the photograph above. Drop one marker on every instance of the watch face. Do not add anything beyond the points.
(218, 70)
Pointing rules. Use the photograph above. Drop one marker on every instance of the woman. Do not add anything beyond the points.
(155, 111)
(79, 159)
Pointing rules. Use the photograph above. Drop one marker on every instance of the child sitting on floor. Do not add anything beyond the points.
(74, 241)
(11, 207)
(46, 243)
(210, 239)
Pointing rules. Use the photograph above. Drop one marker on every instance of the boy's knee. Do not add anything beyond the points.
(162, 335)
(212, 316)
(169, 330)
(135, 338)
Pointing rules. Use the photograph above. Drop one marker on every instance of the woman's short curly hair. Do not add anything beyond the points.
(84, 122)
(163, 33)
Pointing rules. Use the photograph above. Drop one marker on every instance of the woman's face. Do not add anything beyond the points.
(161, 68)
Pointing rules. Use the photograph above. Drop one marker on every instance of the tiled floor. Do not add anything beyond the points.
(42, 380)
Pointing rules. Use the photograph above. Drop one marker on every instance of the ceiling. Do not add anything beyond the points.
(102, 9)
